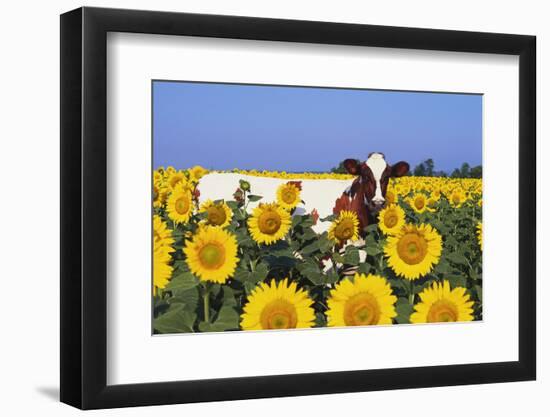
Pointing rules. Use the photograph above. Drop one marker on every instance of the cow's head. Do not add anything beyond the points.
(373, 176)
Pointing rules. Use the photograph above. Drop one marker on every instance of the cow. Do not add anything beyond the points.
(316, 194)
(366, 195)
(363, 195)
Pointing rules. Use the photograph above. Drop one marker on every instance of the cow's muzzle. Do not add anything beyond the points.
(376, 206)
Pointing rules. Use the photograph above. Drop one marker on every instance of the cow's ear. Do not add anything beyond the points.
(352, 166)
(399, 169)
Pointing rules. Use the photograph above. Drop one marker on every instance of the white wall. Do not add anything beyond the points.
(29, 161)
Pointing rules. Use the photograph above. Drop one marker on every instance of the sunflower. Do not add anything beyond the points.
(269, 223)
(212, 254)
(391, 219)
(431, 205)
(158, 177)
(436, 194)
(391, 197)
(277, 306)
(418, 202)
(159, 195)
(162, 235)
(175, 178)
(162, 270)
(413, 250)
(288, 196)
(180, 204)
(197, 172)
(162, 248)
(439, 304)
(217, 214)
(479, 228)
(345, 227)
(367, 300)
(457, 197)
(400, 189)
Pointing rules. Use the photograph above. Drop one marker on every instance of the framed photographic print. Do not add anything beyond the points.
(258, 207)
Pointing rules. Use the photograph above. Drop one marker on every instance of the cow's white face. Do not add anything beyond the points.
(366, 195)
(377, 164)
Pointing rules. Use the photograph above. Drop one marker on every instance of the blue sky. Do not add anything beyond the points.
(224, 126)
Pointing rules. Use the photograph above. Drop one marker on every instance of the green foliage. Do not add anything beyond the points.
(426, 169)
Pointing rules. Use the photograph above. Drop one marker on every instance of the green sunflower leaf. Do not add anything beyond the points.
(296, 220)
(228, 319)
(233, 205)
(176, 320)
(371, 228)
(456, 280)
(351, 257)
(253, 198)
(325, 245)
(311, 248)
(373, 249)
(189, 298)
(307, 221)
(329, 218)
(260, 273)
(183, 281)
(404, 310)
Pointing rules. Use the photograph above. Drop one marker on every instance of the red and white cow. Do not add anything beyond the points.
(364, 195)
(367, 193)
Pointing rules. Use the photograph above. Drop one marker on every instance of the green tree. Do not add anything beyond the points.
(455, 173)
(476, 172)
(419, 170)
(465, 170)
(429, 164)
(424, 169)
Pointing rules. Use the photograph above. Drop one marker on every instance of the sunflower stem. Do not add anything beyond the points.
(411, 295)
(206, 301)
(245, 201)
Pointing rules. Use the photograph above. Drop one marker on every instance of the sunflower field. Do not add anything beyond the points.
(219, 266)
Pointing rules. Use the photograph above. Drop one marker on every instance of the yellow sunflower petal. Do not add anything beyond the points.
(440, 304)
(212, 254)
(277, 306)
(367, 300)
(269, 223)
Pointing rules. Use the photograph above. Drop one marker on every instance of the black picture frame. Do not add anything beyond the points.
(84, 207)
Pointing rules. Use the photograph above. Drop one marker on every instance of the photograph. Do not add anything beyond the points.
(291, 207)
(275, 208)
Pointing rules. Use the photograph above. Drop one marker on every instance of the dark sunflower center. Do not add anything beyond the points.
(288, 196)
(212, 256)
(442, 311)
(279, 314)
(412, 248)
(269, 222)
(390, 219)
(361, 310)
(344, 230)
(216, 215)
(182, 205)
